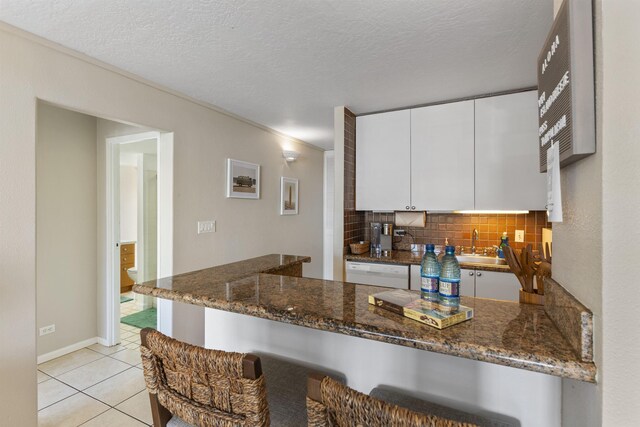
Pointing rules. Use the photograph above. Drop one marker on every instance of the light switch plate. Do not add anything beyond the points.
(519, 236)
(45, 330)
(206, 227)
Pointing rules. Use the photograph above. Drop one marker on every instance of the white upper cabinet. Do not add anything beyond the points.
(442, 158)
(383, 161)
(467, 155)
(507, 173)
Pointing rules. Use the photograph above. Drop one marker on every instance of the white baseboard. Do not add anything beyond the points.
(103, 341)
(68, 349)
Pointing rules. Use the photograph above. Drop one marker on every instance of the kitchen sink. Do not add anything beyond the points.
(481, 259)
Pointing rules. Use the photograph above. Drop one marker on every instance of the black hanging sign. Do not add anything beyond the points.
(565, 85)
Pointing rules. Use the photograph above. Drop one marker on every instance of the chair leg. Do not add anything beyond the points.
(161, 415)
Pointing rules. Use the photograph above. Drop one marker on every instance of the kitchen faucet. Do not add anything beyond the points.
(474, 237)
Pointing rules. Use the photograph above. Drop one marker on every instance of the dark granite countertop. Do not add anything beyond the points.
(506, 333)
(414, 258)
(223, 273)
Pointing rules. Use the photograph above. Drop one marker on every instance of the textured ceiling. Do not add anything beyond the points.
(286, 64)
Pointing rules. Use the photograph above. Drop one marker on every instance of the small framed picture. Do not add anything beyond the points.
(243, 179)
(288, 196)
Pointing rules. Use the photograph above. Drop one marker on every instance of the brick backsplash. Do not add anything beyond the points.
(354, 226)
(457, 228)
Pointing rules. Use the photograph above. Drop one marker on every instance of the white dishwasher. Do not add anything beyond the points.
(369, 273)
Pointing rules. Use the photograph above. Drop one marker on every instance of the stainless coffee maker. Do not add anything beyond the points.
(386, 237)
(376, 232)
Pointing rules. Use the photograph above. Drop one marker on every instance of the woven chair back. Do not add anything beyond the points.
(205, 388)
(331, 403)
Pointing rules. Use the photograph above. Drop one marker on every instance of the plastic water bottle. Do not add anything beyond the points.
(449, 289)
(430, 275)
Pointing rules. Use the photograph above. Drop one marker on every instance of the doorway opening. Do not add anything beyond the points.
(78, 280)
(139, 210)
(138, 229)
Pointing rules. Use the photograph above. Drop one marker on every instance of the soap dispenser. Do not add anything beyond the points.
(504, 241)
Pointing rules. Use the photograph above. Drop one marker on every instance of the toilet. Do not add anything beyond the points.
(132, 273)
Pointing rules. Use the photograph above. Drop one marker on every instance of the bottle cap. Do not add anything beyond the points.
(450, 249)
(430, 247)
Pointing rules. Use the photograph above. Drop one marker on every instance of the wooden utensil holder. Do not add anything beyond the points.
(529, 298)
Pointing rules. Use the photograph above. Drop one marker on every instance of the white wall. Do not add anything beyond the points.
(620, 125)
(577, 254)
(148, 215)
(66, 226)
(128, 203)
(499, 392)
(147, 249)
(594, 249)
(31, 69)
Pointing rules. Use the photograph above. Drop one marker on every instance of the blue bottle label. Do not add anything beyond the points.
(449, 288)
(429, 284)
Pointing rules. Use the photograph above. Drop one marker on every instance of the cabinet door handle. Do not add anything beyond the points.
(471, 273)
(413, 208)
(407, 208)
(478, 274)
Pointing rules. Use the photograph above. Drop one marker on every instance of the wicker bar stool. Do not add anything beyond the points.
(190, 385)
(330, 403)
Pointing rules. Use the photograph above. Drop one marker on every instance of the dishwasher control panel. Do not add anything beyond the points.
(378, 274)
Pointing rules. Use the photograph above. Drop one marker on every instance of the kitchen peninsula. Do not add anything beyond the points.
(336, 316)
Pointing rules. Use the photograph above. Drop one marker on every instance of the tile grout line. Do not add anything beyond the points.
(109, 407)
(108, 404)
(137, 419)
(101, 381)
(58, 401)
(96, 399)
(80, 391)
(79, 366)
(114, 406)
(97, 415)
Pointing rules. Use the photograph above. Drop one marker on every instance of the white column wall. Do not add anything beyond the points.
(500, 392)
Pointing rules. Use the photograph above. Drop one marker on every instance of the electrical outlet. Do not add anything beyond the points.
(519, 236)
(206, 227)
(45, 330)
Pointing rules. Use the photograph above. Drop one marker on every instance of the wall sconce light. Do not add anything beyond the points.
(290, 156)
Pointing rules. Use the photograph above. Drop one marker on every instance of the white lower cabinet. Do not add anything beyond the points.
(480, 284)
(490, 284)
(496, 285)
(467, 283)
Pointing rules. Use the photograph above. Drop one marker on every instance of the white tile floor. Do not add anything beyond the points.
(97, 385)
